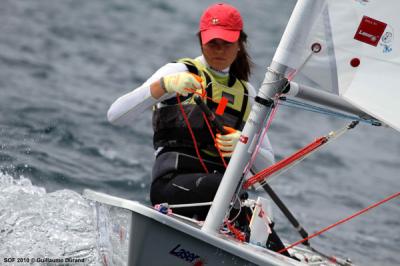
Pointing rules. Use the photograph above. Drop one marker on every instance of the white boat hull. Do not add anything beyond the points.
(158, 239)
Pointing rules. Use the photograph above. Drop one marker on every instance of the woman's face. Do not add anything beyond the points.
(220, 54)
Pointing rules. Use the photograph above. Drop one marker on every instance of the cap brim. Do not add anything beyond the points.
(226, 35)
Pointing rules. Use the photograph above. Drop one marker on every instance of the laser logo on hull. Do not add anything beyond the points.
(186, 255)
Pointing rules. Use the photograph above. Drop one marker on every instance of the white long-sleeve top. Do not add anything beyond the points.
(127, 107)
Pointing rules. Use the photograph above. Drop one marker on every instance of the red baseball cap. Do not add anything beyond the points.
(220, 21)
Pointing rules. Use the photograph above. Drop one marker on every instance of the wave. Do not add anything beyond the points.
(35, 224)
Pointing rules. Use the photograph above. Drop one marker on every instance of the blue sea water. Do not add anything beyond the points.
(62, 63)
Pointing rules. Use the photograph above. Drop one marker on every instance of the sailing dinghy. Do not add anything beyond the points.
(340, 54)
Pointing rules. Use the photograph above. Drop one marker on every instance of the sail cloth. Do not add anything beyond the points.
(360, 52)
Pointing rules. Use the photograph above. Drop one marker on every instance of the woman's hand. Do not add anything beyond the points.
(182, 83)
(227, 142)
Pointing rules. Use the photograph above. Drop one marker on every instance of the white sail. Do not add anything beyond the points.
(359, 57)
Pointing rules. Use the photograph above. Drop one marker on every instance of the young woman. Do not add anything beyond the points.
(189, 166)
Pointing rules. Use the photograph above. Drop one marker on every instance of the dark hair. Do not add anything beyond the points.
(241, 67)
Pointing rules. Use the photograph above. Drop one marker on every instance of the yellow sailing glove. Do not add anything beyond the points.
(227, 142)
(182, 83)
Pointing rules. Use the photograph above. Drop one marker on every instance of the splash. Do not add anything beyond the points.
(56, 227)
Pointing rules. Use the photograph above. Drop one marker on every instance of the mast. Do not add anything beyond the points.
(302, 18)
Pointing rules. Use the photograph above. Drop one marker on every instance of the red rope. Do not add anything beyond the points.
(264, 132)
(341, 221)
(215, 142)
(239, 235)
(285, 162)
(272, 116)
(191, 134)
(204, 95)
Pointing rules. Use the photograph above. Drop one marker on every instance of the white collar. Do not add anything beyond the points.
(221, 73)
